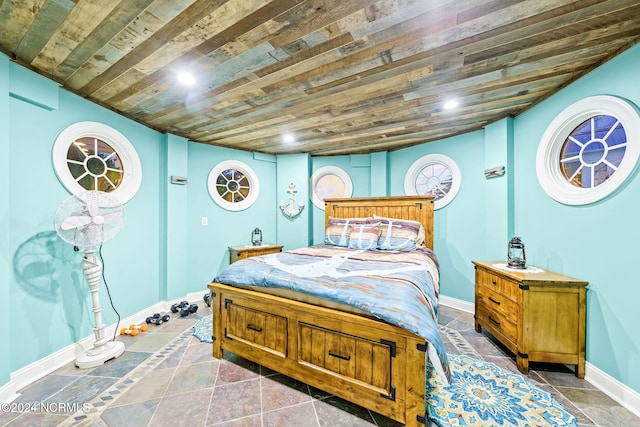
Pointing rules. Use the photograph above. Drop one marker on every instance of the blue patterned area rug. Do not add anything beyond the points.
(483, 394)
(202, 329)
(480, 394)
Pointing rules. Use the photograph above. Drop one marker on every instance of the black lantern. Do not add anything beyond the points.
(515, 254)
(256, 237)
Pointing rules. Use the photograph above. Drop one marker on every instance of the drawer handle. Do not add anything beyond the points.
(253, 328)
(493, 281)
(339, 356)
(494, 301)
(494, 321)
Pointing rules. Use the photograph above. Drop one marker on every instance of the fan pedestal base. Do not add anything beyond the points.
(92, 358)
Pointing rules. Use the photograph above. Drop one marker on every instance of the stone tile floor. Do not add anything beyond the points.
(167, 377)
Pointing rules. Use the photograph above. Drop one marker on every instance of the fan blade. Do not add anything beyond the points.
(94, 235)
(112, 216)
(92, 202)
(75, 222)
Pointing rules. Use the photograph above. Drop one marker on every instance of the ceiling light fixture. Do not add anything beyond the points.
(288, 138)
(186, 79)
(450, 104)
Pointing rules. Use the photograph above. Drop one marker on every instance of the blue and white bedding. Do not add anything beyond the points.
(398, 287)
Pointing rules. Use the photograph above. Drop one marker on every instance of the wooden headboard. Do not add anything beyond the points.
(417, 208)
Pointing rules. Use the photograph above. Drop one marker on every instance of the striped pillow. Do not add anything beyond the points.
(338, 230)
(363, 236)
(399, 234)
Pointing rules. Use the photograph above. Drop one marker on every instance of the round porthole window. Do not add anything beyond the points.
(233, 185)
(94, 156)
(329, 182)
(434, 174)
(589, 150)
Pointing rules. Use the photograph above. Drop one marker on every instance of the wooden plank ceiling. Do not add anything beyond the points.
(340, 76)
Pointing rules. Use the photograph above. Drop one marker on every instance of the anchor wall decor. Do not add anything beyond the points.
(290, 210)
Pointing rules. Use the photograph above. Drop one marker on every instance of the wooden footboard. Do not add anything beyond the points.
(363, 360)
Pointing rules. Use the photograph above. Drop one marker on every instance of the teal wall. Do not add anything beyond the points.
(207, 247)
(164, 252)
(293, 232)
(499, 146)
(174, 218)
(379, 174)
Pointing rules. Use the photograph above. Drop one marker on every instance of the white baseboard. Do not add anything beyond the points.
(36, 370)
(458, 304)
(619, 392)
(8, 392)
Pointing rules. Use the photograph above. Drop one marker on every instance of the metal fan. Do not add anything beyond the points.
(88, 220)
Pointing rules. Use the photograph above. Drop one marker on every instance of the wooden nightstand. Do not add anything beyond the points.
(241, 252)
(540, 317)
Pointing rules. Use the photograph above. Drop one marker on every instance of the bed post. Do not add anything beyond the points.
(216, 319)
(415, 403)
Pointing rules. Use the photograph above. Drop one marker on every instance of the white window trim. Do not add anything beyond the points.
(247, 171)
(130, 161)
(548, 169)
(418, 165)
(329, 170)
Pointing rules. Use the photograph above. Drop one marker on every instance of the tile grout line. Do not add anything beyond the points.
(313, 404)
(260, 377)
(101, 402)
(213, 392)
(584, 414)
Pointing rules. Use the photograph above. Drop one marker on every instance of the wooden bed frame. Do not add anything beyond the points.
(361, 359)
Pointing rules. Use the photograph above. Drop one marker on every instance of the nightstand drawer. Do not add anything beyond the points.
(497, 322)
(498, 284)
(498, 303)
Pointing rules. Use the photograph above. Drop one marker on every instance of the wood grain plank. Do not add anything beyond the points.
(187, 18)
(312, 15)
(118, 19)
(15, 19)
(49, 18)
(69, 34)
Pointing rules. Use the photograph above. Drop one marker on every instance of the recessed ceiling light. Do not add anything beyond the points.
(450, 104)
(288, 138)
(186, 79)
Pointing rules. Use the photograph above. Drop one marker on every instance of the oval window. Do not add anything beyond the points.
(233, 185)
(329, 182)
(94, 156)
(589, 150)
(434, 174)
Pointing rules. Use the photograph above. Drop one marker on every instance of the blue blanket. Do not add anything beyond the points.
(398, 287)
